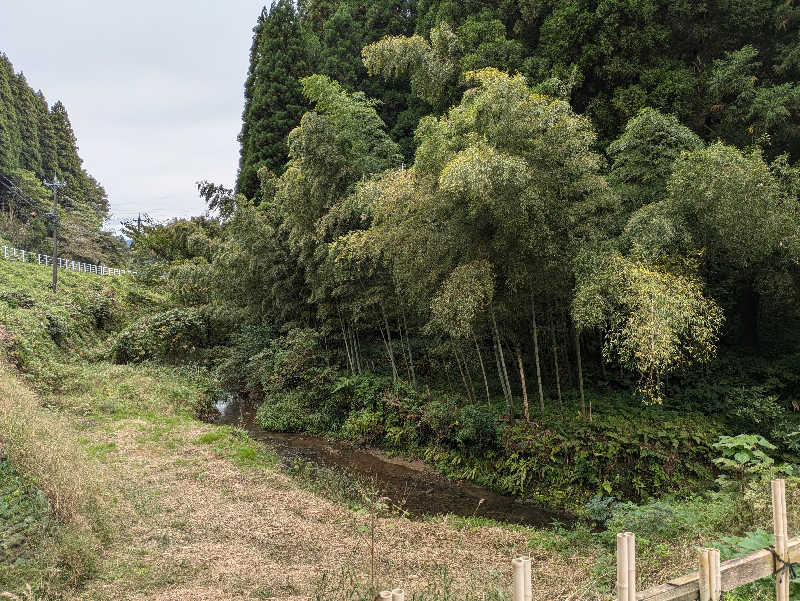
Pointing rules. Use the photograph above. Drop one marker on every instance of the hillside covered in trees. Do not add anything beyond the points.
(549, 247)
(37, 142)
(726, 70)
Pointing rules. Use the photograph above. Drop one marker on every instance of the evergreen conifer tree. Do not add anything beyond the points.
(30, 157)
(47, 138)
(273, 98)
(9, 130)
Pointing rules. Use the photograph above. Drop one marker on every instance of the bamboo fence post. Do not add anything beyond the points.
(519, 579)
(626, 566)
(715, 575)
(631, 541)
(781, 538)
(526, 562)
(709, 575)
(398, 594)
(622, 567)
(705, 588)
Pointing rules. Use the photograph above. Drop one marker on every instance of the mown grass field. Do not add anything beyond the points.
(111, 488)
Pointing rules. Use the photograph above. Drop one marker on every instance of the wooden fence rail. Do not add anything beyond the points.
(714, 578)
(24, 256)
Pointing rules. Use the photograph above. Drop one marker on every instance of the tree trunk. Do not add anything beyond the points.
(555, 353)
(346, 346)
(410, 358)
(387, 341)
(357, 347)
(483, 369)
(469, 375)
(499, 369)
(580, 371)
(536, 355)
(565, 349)
(504, 372)
(461, 371)
(403, 345)
(524, 386)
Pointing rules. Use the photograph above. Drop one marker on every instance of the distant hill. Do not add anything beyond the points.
(36, 142)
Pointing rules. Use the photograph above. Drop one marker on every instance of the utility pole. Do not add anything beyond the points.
(55, 185)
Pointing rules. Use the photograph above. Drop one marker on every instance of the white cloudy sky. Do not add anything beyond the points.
(154, 89)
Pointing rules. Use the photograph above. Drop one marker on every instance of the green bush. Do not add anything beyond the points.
(362, 426)
(285, 411)
(753, 409)
(479, 427)
(630, 454)
(102, 309)
(240, 367)
(174, 336)
(656, 521)
(57, 328)
(17, 299)
(439, 417)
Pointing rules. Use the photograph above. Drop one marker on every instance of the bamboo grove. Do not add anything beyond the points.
(515, 254)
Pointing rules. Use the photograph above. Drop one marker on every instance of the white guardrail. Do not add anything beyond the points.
(24, 256)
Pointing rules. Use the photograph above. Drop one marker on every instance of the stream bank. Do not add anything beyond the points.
(410, 485)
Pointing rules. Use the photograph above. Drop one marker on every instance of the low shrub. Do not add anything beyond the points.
(631, 455)
(17, 299)
(479, 427)
(753, 409)
(362, 425)
(102, 308)
(174, 336)
(57, 328)
(285, 412)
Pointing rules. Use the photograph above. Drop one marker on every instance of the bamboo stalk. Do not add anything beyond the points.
(483, 369)
(398, 594)
(519, 579)
(385, 595)
(522, 380)
(536, 355)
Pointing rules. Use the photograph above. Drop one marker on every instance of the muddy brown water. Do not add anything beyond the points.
(410, 485)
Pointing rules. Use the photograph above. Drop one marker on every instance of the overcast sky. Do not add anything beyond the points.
(154, 89)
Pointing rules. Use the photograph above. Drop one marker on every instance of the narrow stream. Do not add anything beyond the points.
(411, 485)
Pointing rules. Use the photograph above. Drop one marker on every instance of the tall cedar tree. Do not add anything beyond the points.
(30, 157)
(726, 70)
(9, 129)
(323, 37)
(274, 100)
(47, 138)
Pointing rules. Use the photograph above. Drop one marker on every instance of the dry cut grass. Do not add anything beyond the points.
(210, 529)
(188, 520)
(45, 451)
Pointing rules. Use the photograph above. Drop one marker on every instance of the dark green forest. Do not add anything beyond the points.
(37, 142)
(550, 247)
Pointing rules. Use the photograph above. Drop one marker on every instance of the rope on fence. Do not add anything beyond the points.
(25, 256)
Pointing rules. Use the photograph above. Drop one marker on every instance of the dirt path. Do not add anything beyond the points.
(201, 527)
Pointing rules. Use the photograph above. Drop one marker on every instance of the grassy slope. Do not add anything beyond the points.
(149, 503)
